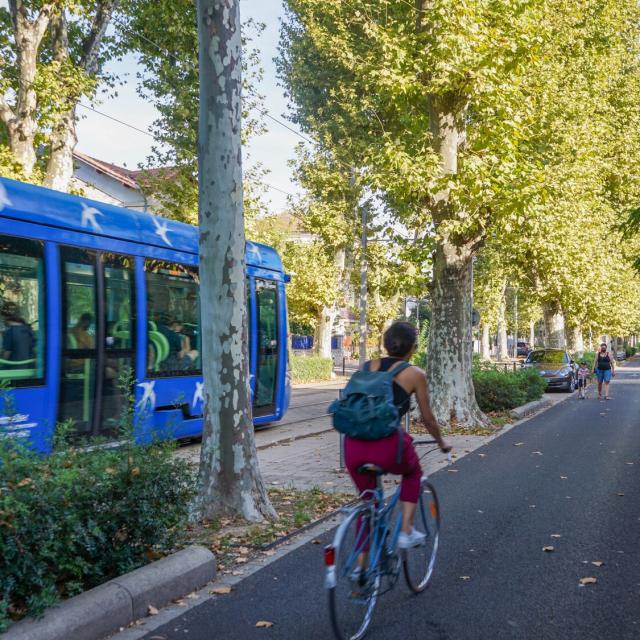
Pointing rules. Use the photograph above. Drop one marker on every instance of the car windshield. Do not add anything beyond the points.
(550, 357)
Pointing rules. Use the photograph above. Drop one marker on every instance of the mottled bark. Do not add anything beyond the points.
(230, 480)
(575, 341)
(554, 333)
(485, 343)
(63, 136)
(503, 347)
(450, 339)
(324, 328)
(532, 334)
(21, 121)
(450, 334)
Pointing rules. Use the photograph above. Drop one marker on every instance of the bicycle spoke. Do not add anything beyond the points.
(418, 562)
(353, 597)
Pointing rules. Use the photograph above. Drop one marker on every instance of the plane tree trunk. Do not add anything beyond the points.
(230, 483)
(554, 333)
(450, 334)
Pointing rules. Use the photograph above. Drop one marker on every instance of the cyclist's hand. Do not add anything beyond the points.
(445, 448)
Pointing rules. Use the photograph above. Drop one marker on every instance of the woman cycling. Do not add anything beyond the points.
(400, 342)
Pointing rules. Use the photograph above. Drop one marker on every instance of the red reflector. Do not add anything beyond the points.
(329, 556)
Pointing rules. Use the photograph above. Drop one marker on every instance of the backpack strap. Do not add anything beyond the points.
(401, 367)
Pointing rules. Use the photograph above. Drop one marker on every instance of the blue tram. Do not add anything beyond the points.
(89, 290)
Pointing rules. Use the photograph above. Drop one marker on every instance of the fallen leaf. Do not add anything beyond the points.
(620, 494)
(597, 563)
(465, 577)
(548, 548)
(518, 444)
(110, 471)
(135, 471)
(243, 550)
(482, 455)
(452, 470)
(240, 560)
(264, 624)
(556, 535)
(588, 580)
(152, 611)
(221, 591)
(628, 462)
(25, 482)
(538, 453)
(269, 552)
(315, 541)
(180, 603)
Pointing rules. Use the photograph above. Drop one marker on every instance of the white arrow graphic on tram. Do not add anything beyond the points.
(198, 395)
(255, 252)
(162, 230)
(89, 217)
(4, 198)
(148, 395)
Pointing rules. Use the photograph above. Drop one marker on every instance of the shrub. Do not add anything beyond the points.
(631, 351)
(499, 390)
(310, 368)
(79, 517)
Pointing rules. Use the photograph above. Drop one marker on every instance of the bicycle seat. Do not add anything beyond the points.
(373, 469)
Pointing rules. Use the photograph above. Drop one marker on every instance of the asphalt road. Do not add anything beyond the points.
(563, 472)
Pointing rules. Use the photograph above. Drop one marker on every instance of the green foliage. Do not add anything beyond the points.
(310, 369)
(631, 351)
(499, 390)
(420, 356)
(81, 516)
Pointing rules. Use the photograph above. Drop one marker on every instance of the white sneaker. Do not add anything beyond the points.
(409, 540)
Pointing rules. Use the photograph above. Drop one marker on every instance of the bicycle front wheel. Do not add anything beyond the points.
(354, 591)
(418, 562)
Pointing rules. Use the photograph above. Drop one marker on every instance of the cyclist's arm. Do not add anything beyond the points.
(422, 396)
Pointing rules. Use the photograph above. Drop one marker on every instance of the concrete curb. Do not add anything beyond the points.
(106, 609)
(531, 407)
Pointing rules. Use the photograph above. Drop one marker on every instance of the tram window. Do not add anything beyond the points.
(22, 322)
(267, 308)
(173, 314)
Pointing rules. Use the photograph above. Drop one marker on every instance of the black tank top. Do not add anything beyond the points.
(604, 362)
(401, 398)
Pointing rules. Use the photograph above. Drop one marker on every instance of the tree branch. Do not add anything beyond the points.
(6, 113)
(93, 41)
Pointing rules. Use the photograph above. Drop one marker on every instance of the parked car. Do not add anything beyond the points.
(523, 348)
(556, 365)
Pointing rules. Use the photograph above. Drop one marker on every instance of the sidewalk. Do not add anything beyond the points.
(306, 453)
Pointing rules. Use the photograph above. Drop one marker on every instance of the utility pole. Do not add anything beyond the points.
(363, 287)
(515, 332)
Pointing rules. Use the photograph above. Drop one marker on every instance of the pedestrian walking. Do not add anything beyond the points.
(583, 380)
(605, 368)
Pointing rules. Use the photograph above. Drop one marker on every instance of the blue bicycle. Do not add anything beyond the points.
(364, 560)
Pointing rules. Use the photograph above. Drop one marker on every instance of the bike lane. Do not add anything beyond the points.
(572, 471)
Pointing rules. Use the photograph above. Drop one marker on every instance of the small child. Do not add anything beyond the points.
(583, 379)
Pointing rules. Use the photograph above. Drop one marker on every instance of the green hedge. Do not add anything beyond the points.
(310, 369)
(499, 391)
(74, 519)
(631, 351)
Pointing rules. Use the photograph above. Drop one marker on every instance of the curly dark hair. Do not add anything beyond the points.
(399, 339)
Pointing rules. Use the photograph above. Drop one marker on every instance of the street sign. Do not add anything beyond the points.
(475, 317)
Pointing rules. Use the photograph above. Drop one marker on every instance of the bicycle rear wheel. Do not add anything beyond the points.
(354, 590)
(418, 562)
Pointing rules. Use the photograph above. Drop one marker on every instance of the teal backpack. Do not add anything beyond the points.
(365, 409)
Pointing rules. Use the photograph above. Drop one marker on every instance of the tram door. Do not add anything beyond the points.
(267, 335)
(97, 340)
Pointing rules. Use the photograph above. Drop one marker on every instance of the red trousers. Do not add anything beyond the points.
(384, 453)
